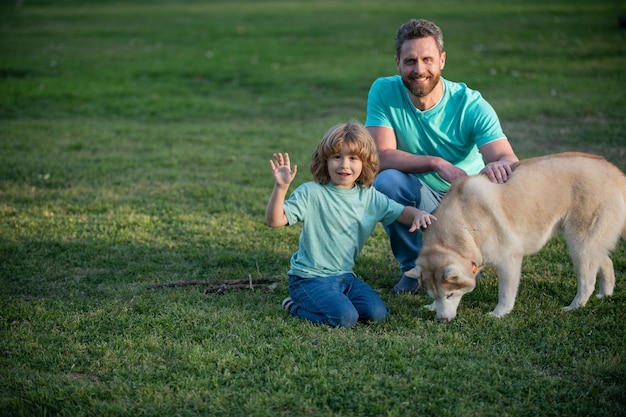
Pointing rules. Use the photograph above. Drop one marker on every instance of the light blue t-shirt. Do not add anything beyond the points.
(453, 129)
(336, 222)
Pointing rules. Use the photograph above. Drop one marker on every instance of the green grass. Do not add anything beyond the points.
(134, 147)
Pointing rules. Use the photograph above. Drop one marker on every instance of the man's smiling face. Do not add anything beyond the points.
(420, 64)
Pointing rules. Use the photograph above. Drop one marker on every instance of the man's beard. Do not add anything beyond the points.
(421, 90)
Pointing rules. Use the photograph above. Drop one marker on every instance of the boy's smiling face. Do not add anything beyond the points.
(344, 168)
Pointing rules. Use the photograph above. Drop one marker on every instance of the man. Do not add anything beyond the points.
(429, 132)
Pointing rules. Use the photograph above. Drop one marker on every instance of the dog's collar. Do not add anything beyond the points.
(474, 267)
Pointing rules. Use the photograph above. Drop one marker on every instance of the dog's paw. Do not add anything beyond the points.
(430, 307)
(574, 305)
(501, 310)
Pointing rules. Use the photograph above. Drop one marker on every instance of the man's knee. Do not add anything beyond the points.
(388, 182)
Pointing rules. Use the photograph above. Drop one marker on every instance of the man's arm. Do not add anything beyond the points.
(499, 156)
(391, 157)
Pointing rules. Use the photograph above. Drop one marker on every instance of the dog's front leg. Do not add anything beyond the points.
(508, 284)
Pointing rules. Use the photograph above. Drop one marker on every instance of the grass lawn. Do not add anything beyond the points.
(134, 146)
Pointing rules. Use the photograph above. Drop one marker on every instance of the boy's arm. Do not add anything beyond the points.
(275, 213)
(416, 218)
(283, 175)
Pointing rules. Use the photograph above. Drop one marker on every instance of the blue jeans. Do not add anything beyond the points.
(338, 301)
(407, 190)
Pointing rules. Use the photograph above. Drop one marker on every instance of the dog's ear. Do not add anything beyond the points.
(415, 272)
(451, 273)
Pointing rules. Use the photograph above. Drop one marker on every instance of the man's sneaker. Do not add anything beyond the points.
(407, 285)
(287, 303)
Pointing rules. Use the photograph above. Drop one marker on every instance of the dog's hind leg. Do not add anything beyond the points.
(607, 278)
(589, 249)
(587, 265)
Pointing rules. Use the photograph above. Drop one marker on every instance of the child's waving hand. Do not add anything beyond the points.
(283, 173)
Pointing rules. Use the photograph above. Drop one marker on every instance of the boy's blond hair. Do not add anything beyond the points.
(358, 140)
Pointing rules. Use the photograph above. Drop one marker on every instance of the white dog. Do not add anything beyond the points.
(578, 195)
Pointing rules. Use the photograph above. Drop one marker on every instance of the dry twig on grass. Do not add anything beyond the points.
(265, 284)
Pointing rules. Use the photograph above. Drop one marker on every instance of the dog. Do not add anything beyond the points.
(581, 196)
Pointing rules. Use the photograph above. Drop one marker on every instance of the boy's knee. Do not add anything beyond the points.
(346, 318)
(349, 317)
(378, 313)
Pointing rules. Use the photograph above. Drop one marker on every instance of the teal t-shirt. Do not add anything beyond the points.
(336, 222)
(453, 129)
